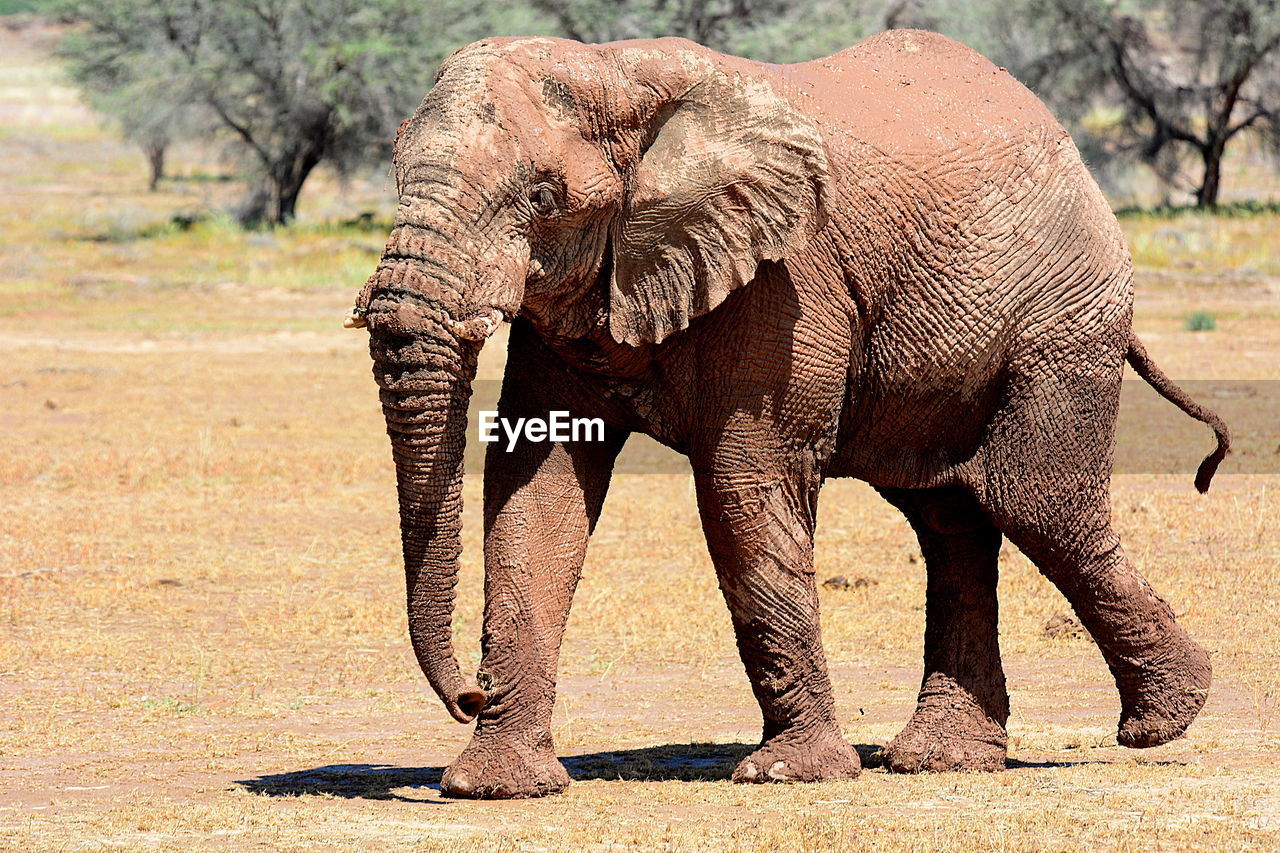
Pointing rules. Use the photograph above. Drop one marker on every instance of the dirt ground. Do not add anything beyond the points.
(202, 643)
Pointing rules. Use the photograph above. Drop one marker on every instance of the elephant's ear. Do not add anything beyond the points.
(732, 175)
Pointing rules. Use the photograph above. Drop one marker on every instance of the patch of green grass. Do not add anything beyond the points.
(363, 223)
(1233, 210)
(125, 229)
(201, 176)
(211, 229)
(166, 703)
(1205, 244)
(1200, 321)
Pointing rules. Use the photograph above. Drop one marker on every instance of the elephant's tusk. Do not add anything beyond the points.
(479, 327)
(354, 321)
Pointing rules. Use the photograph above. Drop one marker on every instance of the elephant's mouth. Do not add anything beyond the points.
(480, 326)
(476, 325)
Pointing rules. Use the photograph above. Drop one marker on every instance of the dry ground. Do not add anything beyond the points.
(202, 643)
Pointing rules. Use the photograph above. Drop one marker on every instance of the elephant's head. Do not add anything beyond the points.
(622, 189)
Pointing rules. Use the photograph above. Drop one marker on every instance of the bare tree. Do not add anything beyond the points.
(1192, 75)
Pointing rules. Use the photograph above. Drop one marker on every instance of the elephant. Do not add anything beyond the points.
(890, 264)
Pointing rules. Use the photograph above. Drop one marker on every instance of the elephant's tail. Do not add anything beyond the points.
(1156, 378)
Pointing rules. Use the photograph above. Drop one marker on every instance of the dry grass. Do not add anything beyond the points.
(203, 644)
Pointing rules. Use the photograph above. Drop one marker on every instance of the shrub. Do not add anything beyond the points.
(1200, 321)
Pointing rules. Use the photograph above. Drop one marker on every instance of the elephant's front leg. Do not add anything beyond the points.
(541, 503)
(761, 541)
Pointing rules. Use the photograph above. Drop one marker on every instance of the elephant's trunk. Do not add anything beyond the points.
(425, 370)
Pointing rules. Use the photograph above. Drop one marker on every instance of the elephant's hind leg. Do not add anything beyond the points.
(1161, 673)
(960, 716)
(761, 541)
(1048, 490)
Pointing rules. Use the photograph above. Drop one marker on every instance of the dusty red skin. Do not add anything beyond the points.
(888, 264)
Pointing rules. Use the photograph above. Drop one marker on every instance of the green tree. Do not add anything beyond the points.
(807, 29)
(704, 21)
(141, 91)
(293, 83)
(766, 30)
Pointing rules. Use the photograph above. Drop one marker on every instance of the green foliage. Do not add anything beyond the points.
(709, 22)
(148, 96)
(766, 30)
(291, 83)
(1200, 321)
(15, 7)
(805, 31)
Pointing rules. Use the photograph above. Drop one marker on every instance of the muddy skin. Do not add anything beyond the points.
(887, 264)
(963, 706)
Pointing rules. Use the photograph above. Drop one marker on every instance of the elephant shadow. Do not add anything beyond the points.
(690, 762)
(687, 762)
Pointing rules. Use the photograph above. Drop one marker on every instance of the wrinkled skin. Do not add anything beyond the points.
(888, 264)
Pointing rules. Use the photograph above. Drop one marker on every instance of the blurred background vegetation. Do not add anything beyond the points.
(1155, 92)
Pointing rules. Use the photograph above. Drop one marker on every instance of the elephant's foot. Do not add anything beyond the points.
(495, 769)
(800, 757)
(948, 731)
(1158, 703)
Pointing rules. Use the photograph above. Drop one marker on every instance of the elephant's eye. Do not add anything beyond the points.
(543, 199)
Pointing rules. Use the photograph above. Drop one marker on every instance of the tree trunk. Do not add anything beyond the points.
(155, 160)
(286, 184)
(1207, 194)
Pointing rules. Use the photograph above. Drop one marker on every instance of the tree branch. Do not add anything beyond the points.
(560, 11)
(240, 129)
(1258, 115)
(1146, 101)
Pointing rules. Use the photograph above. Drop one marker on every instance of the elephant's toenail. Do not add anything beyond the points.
(457, 785)
(749, 772)
(779, 771)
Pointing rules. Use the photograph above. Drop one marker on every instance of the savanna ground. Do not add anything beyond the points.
(203, 643)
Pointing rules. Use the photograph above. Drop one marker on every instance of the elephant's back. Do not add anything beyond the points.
(912, 92)
(962, 167)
